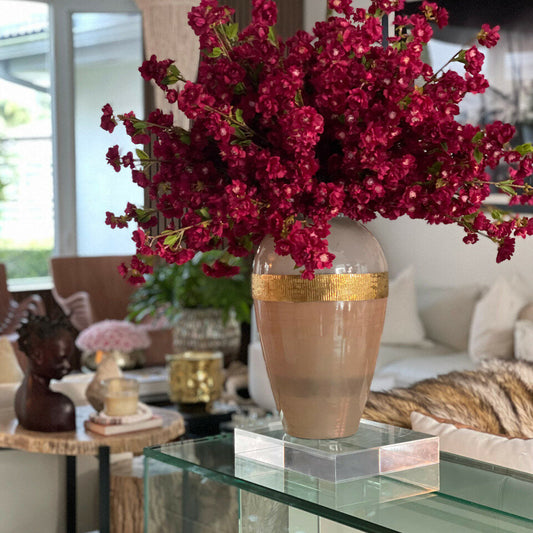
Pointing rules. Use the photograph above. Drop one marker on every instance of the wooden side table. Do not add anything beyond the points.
(82, 442)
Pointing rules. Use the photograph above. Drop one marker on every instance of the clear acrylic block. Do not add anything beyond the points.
(376, 449)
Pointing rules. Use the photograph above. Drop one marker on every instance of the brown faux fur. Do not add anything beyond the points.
(498, 398)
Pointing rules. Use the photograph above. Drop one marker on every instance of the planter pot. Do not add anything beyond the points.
(321, 337)
(204, 330)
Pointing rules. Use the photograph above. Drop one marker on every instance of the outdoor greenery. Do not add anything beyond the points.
(172, 288)
(25, 262)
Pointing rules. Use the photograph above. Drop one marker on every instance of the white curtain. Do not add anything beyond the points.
(167, 35)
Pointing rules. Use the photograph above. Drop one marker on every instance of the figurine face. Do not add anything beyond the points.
(52, 358)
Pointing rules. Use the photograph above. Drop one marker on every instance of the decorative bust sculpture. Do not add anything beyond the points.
(49, 346)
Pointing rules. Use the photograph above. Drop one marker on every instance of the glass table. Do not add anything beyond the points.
(199, 486)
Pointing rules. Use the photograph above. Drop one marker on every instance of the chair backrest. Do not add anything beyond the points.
(98, 277)
(12, 312)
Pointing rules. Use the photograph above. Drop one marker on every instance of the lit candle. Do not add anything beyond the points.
(121, 396)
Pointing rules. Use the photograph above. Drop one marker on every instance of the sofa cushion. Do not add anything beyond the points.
(446, 314)
(455, 438)
(388, 353)
(424, 366)
(402, 323)
(493, 322)
(523, 340)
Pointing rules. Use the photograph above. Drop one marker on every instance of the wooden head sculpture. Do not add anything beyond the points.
(49, 345)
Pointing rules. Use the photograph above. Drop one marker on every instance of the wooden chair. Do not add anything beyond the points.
(90, 289)
(11, 312)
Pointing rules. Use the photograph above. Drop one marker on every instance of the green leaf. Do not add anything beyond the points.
(216, 52)
(461, 57)
(524, 149)
(239, 133)
(478, 136)
(140, 125)
(204, 213)
(173, 70)
(171, 240)
(434, 169)
(478, 155)
(185, 138)
(238, 115)
(507, 189)
(141, 154)
(272, 36)
(231, 30)
(169, 80)
(496, 214)
(144, 215)
(240, 88)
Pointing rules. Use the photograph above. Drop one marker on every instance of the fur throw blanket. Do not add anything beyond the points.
(497, 398)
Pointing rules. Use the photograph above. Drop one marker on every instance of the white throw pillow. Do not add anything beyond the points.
(496, 449)
(402, 323)
(446, 314)
(523, 340)
(492, 329)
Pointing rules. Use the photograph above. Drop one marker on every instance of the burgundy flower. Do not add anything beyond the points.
(108, 122)
(220, 269)
(287, 135)
(113, 157)
(488, 36)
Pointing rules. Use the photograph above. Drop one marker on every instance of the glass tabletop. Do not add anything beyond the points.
(473, 496)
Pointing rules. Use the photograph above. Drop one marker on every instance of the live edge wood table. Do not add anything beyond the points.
(82, 442)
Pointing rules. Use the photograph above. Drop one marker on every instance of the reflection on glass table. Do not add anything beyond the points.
(199, 486)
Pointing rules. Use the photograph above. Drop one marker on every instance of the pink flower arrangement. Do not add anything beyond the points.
(287, 135)
(109, 335)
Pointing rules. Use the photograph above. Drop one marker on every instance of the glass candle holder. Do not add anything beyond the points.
(121, 396)
(195, 377)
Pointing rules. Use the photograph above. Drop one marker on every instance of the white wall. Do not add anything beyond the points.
(440, 257)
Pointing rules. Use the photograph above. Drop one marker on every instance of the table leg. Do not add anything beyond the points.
(71, 493)
(104, 488)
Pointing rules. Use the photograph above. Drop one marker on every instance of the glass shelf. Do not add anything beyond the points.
(473, 496)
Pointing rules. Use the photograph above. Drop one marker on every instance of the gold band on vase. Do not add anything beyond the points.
(324, 288)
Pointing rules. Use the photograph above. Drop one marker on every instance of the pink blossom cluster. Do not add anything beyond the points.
(110, 335)
(286, 135)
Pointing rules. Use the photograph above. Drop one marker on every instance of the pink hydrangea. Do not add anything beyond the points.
(110, 335)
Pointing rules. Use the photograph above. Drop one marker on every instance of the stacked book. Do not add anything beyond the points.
(114, 425)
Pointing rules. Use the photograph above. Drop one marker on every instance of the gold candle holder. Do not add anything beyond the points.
(195, 377)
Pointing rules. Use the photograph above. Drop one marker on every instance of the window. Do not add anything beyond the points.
(60, 62)
(26, 204)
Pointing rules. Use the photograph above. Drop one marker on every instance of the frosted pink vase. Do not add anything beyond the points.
(320, 337)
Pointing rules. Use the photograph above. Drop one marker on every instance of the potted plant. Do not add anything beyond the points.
(205, 313)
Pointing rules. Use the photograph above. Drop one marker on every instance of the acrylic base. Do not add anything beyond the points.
(375, 450)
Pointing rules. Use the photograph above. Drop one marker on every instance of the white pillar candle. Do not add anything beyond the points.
(121, 396)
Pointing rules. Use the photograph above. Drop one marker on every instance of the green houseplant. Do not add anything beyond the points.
(205, 313)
